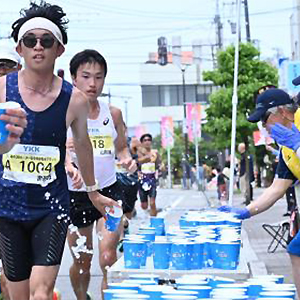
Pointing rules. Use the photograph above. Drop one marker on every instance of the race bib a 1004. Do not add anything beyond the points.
(31, 164)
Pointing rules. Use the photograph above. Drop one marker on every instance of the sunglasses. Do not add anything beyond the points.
(7, 64)
(147, 140)
(46, 41)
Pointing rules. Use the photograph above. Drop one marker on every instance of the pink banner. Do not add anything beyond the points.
(193, 119)
(260, 139)
(167, 132)
(140, 130)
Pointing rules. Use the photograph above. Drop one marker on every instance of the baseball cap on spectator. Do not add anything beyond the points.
(268, 99)
(7, 53)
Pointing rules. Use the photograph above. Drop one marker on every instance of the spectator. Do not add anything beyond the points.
(246, 179)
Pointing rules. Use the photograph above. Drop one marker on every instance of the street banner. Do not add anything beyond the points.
(167, 132)
(259, 139)
(293, 72)
(193, 118)
(282, 72)
(140, 130)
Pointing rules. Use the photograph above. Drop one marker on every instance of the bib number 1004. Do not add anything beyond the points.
(30, 167)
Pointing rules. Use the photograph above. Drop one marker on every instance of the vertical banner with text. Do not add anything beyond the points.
(193, 115)
(167, 132)
(293, 72)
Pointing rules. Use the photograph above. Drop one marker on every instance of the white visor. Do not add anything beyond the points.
(40, 23)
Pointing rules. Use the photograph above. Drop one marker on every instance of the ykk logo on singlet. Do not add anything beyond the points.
(31, 148)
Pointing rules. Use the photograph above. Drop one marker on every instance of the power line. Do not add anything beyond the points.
(141, 12)
(196, 17)
(103, 9)
(135, 37)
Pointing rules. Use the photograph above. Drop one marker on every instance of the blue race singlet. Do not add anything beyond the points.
(33, 180)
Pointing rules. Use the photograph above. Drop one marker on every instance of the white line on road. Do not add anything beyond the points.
(173, 205)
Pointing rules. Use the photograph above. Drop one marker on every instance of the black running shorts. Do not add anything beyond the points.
(24, 244)
(82, 211)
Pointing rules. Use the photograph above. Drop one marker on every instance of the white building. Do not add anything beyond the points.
(295, 31)
(162, 90)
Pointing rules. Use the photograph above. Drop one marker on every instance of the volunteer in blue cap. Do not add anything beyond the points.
(279, 114)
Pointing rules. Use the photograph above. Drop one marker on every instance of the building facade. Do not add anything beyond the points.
(163, 90)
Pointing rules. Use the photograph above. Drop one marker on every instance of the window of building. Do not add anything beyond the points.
(150, 95)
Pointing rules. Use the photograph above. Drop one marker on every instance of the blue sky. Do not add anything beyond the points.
(125, 31)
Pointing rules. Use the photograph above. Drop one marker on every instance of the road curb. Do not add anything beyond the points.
(256, 266)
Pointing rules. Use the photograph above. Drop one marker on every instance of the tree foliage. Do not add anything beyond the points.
(253, 74)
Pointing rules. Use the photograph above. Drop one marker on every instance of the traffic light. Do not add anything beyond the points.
(162, 51)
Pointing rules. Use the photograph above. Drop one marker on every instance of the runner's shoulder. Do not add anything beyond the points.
(78, 98)
(116, 113)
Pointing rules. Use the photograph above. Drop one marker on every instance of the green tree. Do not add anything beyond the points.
(253, 74)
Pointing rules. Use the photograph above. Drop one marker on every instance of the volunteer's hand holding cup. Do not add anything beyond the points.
(240, 213)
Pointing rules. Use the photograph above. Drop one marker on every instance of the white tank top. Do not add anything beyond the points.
(102, 134)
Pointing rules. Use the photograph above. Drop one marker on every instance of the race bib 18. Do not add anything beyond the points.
(102, 145)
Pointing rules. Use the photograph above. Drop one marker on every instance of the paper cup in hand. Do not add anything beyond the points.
(3, 131)
(113, 218)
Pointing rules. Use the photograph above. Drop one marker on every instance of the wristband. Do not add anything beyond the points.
(92, 188)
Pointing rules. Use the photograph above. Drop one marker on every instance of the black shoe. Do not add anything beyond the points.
(287, 214)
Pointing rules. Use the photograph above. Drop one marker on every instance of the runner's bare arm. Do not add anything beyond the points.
(121, 147)
(77, 118)
(15, 119)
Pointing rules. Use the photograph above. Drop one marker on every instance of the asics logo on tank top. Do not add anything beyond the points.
(105, 122)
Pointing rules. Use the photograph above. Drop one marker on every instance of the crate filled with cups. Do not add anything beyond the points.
(200, 286)
(203, 239)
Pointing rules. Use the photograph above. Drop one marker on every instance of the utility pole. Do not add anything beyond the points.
(219, 26)
(109, 96)
(185, 165)
(247, 22)
(213, 57)
(126, 111)
(126, 98)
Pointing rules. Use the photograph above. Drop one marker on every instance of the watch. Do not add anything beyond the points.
(92, 188)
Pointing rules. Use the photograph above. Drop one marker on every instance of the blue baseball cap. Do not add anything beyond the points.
(268, 99)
